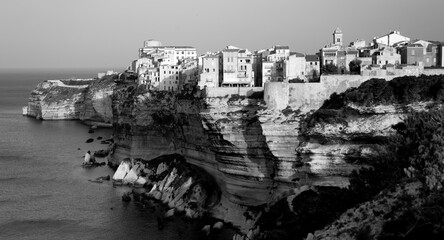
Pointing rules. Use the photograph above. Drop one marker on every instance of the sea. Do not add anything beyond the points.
(45, 193)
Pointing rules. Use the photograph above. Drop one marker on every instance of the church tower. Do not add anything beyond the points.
(337, 37)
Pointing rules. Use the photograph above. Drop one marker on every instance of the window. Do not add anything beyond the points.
(177, 78)
(214, 70)
(316, 63)
(338, 40)
(311, 63)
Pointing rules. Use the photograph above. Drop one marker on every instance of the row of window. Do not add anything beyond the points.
(208, 70)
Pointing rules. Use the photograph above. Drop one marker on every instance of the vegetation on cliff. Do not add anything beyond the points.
(400, 91)
(414, 154)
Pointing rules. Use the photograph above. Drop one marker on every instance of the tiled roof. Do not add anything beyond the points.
(282, 47)
(297, 54)
(414, 45)
(230, 50)
(311, 58)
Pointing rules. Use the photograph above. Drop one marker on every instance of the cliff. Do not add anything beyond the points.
(264, 161)
(255, 155)
(75, 99)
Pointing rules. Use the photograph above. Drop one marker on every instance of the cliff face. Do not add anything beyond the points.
(97, 102)
(87, 100)
(256, 156)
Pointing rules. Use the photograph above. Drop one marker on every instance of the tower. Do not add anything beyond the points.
(337, 37)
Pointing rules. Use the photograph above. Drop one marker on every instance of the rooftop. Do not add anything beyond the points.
(281, 47)
(297, 54)
(337, 31)
(311, 58)
(230, 50)
(171, 47)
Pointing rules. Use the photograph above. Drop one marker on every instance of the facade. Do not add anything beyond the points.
(169, 78)
(440, 55)
(312, 67)
(294, 67)
(273, 61)
(211, 71)
(385, 56)
(188, 74)
(237, 65)
(412, 54)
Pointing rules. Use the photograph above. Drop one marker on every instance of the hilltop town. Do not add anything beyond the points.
(171, 68)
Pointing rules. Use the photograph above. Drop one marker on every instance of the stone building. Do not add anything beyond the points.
(385, 56)
(165, 68)
(294, 67)
(412, 54)
(237, 65)
(312, 67)
(272, 63)
(211, 70)
(188, 74)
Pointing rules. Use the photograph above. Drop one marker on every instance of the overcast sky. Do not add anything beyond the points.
(108, 33)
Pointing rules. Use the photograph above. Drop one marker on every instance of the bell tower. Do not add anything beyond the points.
(337, 37)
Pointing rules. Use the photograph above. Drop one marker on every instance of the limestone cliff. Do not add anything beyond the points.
(85, 99)
(250, 151)
(256, 155)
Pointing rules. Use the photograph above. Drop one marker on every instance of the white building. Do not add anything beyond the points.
(391, 39)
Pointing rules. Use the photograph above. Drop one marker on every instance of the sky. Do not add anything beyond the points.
(108, 33)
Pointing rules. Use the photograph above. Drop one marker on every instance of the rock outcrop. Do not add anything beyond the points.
(80, 99)
(250, 151)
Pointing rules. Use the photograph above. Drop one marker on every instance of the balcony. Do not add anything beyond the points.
(229, 71)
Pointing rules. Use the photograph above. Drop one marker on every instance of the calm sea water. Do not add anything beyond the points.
(44, 191)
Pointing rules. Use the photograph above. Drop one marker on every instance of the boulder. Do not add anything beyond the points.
(218, 225)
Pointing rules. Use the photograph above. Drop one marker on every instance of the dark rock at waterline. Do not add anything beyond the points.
(91, 131)
(99, 138)
(126, 197)
(89, 140)
(93, 164)
(101, 153)
(160, 224)
(78, 148)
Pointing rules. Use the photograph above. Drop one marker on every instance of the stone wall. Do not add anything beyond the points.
(224, 91)
(431, 72)
(310, 96)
